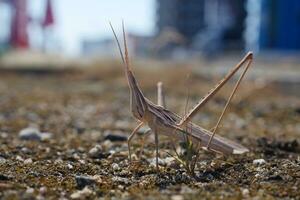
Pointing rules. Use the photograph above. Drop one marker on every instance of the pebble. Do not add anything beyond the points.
(45, 136)
(259, 161)
(70, 166)
(245, 192)
(96, 152)
(81, 162)
(3, 135)
(177, 197)
(97, 178)
(43, 190)
(82, 194)
(115, 167)
(2, 160)
(29, 191)
(4, 177)
(170, 162)
(28, 161)
(58, 161)
(121, 180)
(26, 150)
(153, 162)
(115, 137)
(107, 144)
(83, 181)
(19, 158)
(31, 133)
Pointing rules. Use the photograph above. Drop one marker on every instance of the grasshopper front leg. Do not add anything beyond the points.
(131, 136)
(156, 146)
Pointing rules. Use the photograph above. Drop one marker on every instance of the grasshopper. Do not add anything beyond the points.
(160, 120)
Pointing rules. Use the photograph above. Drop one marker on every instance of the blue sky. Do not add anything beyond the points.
(84, 19)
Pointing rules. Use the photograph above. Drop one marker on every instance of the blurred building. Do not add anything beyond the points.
(186, 17)
(209, 26)
(204, 23)
(273, 24)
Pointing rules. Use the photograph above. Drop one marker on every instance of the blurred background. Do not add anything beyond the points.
(156, 28)
(54, 34)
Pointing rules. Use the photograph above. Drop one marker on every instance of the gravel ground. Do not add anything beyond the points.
(63, 135)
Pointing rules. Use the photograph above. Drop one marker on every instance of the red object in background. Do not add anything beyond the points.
(49, 19)
(19, 35)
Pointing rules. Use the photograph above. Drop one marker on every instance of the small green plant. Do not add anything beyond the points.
(188, 156)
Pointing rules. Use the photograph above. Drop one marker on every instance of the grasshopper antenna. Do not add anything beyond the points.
(118, 43)
(125, 46)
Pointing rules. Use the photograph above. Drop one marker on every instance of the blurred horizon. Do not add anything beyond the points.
(168, 29)
(74, 24)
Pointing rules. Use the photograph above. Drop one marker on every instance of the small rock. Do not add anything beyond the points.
(32, 133)
(172, 162)
(97, 178)
(58, 161)
(28, 161)
(76, 156)
(29, 191)
(81, 162)
(96, 152)
(19, 158)
(259, 161)
(4, 177)
(29, 133)
(3, 135)
(43, 190)
(107, 144)
(83, 181)
(45, 136)
(275, 178)
(257, 175)
(25, 150)
(40, 197)
(115, 137)
(153, 162)
(70, 166)
(2, 160)
(81, 194)
(245, 192)
(115, 167)
(177, 197)
(120, 180)
(121, 187)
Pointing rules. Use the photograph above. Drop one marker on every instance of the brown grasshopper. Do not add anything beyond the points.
(162, 121)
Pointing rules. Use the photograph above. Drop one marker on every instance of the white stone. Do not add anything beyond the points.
(70, 166)
(45, 136)
(28, 161)
(29, 133)
(82, 194)
(29, 191)
(115, 167)
(19, 158)
(245, 192)
(2, 160)
(153, 162)
(259, 161)
(33, 133)
(177, 197)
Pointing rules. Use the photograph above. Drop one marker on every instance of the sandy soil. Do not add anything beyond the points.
(84, 118)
